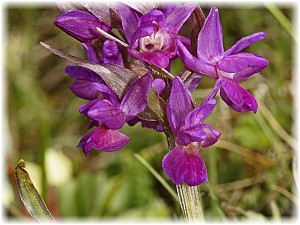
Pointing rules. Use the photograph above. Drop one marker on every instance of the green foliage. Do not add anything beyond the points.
(252, 180)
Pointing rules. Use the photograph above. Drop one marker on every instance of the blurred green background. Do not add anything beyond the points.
(252, 169)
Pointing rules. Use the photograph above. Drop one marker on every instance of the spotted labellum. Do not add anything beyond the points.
(125, 77)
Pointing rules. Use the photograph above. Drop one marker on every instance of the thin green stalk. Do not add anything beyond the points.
(157, 175)
(213, 180)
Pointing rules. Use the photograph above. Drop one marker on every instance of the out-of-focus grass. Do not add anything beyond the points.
(250, 169)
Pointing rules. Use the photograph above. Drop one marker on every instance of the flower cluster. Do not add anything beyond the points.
(126, 77)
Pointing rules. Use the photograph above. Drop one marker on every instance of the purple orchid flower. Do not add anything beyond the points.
(231, 66)
(183, 163)
(105, 110)
(112, 115)
(153, 36)
(104, 139)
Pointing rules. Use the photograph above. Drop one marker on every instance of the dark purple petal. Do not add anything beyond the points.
(80, 25)
(83, 86)
(179, 15)
(82, 73)
(153, 15)
(195, 64)
(104, 111)
(240, 66)
(91, 52)
(245, 42)
(179, 105)
(210, 42)
(85, 107)
(182, 167)
(194, 83)
(111, 53)
(187, 135)
(159, 59)
(199, 114)
(147, 124)
(236, 97)
(129, 20)
(212, 136)
(159, 85)
(135, 100)
(104, 139)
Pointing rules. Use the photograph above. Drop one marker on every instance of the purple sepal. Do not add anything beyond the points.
(199, 114)
(104, 139)
(135, 100)
(129, 20)
(159, 85)
(178, 106)
(196, 64)
(240, 66)
(80, 25)
(236, 97)
(83, 86)
(107, 113)
(187, 135)
(91, 52)
(210, 41)
(245, 42)
(183, 167)
(212, 136)
(179, 15)
(111, 53)
(194, 83)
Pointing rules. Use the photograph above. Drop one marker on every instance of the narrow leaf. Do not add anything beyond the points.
(157, 175)
(30, 196)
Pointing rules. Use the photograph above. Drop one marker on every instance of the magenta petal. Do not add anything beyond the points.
(83, 86)
(181, 167)
(187, 135)
(245, 42)
(198, 115)
(236, 97)
(80, 25)
(210, 42)
(212, 136)
(135, 100)
(104, 111)
(159, 58)
(111, 53)
(153, 15)
(194, 83)
(213, 92)
(129, 20)
(178, 106)
(91, 52)
(180, 14)
(195, 64)
(240, 66)
(159, 85)
(104, 139)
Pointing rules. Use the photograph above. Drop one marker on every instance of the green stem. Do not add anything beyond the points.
(190, 203)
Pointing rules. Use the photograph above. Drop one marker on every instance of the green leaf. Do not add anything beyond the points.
(119, 79)
(30, 196)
